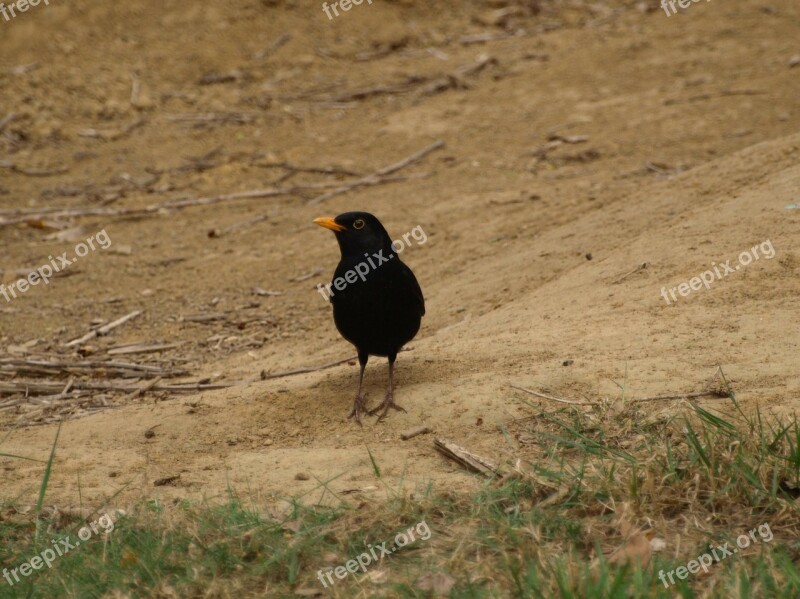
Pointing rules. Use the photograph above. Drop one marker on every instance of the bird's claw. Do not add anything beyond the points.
(359, 407)
(383, 408)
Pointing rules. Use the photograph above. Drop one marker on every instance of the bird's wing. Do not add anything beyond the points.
(416, 292)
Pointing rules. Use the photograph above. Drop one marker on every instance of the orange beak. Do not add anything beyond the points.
(329, 223)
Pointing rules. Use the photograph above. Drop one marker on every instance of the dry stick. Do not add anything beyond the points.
(111, 135)
(385, 50)
(371, 180)
(241, 118)
(104, 329)
(27, 215)
(378, 90)
(243, 224)
(721, 94)
(214, 78)
(47, 387)
(265, 376)
(67, 387)
(207, 317)
(322, 170)
(479, 38)
(307, 276)
(467, 459)
(9, 117)
(198, 163)
(24, 215)
(16, 216)
(80, 388)
(410, 434)
(144, 389)
(558, 399)
(282, 39)
(140, 349)
(14, 403)
(135, 88)
(436, 82)
(472, 69)
(90, 365)
(39, 172)
(707, 393)
(642, 266)
(244, 195)
(376, 177)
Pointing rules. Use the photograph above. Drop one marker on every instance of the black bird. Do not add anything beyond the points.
(377, 308)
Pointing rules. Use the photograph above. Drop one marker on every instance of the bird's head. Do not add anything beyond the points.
(357, 232)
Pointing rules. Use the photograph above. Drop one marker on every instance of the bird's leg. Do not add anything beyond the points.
(388, 400)
(360, 402)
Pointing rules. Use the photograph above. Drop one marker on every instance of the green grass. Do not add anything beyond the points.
(590, 485)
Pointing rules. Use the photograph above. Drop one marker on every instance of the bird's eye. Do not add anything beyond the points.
(359, 223)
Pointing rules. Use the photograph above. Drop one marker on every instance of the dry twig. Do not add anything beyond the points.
(275, 375)
(467, 459)
(641, 267)
(693, 395)
(103, 330)
(280, 41)
(410, 434)
(550, 397)
(51, 387)
(379, 175)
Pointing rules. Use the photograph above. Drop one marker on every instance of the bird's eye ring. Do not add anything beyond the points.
(359, 223)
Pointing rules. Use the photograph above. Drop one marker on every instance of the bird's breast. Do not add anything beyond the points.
(378, 312)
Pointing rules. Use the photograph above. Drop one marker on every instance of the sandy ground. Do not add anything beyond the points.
(581, 141)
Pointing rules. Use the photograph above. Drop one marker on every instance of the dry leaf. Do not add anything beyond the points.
(291, 525)
(658, 544)
(40, 223)
(636, 549)
(129, 558)
(438, 583)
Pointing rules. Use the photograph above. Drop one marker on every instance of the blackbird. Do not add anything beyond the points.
(377, 302)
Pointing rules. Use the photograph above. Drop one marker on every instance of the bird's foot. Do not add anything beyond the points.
(359, 407)
(388, 402)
